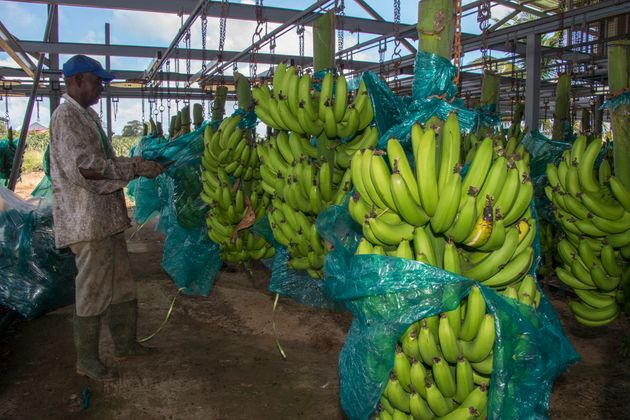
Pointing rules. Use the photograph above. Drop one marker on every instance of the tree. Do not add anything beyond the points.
(132, 129)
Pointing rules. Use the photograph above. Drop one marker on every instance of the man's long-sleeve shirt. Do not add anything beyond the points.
(85, 209)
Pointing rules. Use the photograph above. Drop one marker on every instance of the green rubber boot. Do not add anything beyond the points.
(123, 320)
(86, 338)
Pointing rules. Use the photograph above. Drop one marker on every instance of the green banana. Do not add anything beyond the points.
(443, 377)
(475, 312)
(426, 176)
(478, 349)
(464, 379)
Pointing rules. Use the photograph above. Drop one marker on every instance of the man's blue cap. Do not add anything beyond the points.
(85, 64)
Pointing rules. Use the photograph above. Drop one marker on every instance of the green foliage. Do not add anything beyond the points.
(123, 144)
(33, 161)
(37, 141)
(132, 129)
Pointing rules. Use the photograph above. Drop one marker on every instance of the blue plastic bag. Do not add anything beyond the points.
(386, 294)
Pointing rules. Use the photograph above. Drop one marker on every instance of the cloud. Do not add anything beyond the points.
(8, 62)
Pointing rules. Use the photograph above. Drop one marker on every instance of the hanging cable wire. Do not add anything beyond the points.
(222, 29)
(484, 14)
(256, 38)
(457, 42)
(396, 57)
(340, 8)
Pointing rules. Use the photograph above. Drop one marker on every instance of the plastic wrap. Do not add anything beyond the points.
(144, 191)
(7, 153)
(36, 277)
(433, 94)
(189, 257)
(614, 102)
(44, 188)
(296, 285)
(386, 294)
(542, 151)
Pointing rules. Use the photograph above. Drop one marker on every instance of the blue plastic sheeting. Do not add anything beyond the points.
(542, 151)
(296, 285)
(36, 277)
(190, 258)
(613, 103)
(387, 294)
(433, 94)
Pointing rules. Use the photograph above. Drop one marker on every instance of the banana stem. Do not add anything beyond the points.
(561, 115)
(436, 27)
(218, 106)
(324, 42)
(586, 120)
(243, 91)
(618, 79)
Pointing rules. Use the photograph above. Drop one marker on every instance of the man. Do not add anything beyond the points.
(90, 216)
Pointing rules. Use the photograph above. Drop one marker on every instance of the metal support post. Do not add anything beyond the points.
(54, 62)
(108, 97)
(19, 153)
(532, 81)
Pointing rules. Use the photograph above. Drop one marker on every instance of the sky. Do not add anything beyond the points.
(27, 21)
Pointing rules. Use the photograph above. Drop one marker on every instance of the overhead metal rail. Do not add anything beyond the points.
(157, 65)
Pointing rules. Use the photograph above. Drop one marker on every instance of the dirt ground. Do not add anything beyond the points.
(27, 182)
(218, 359)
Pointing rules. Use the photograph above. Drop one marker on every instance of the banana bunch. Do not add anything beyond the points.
(232, 148)
(509, 144)
(593, 209)
(301, 186)
(478, 225)
(231, 188)
(443, 365)
(292, 105)
(229, 207)
(526, 292)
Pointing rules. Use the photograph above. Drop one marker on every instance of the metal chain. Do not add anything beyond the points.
(484, 14)
(115, 103)
(396, 57)
(340, 8)
(457, 41)
(382, 49)
(142, 102)
(168, 90)
(272, 49)
(562, 5)
(300, 31)
(256, 38)
(222, 28)
(6, 107)
(204, 34)
(37, 101)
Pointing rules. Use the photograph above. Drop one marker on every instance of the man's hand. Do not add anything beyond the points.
(147, 168)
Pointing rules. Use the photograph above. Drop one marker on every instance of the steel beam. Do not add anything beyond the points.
(148, 52)
(300, 17)
(21, 146)
(532, 81)
(53, 59)
(235, 11)
(365, 6)
(157, 65)
(10, 45)
(575, 17)
(520, 8)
